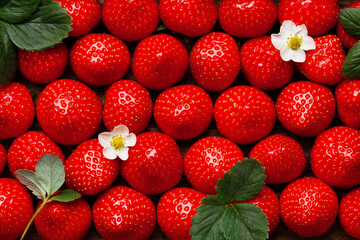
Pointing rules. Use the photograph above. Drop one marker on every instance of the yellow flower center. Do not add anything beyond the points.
(294, 42)
(117, 142)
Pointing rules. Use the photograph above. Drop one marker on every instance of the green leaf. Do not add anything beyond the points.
(350, 21)
(161, 27)
(244, 180)
(66, 195)
(351, 66)
(8, 59)
(4, 2)
(17, 11)
(29, 179)
(245, 222)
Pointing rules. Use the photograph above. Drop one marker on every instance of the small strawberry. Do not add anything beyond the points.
(244, 114)
(207, 160)
(184, 111)
(349, 213)
(308, 207)
(283, 158)
(160, 61)
(262, 65)
(68, 111)
(87, 171)
(99, 59)
(64, 220)
(305, 108)
(191, 18)
(247, 18)
(3, 158)
(16, 208)
(17, 111)
(124, 213)
(319, 16)
(130, 20)
(215, 61)
(175, 210)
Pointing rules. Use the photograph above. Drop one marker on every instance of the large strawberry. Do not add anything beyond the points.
(160, 61)
(215, 61)
(349, 213)
(3, 158)
(346, 39)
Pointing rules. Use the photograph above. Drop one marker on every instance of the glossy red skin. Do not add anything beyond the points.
(215, 61)
(349, 213)
(130, 20)
(124, 213)
(64, 220)
(3, 158)
(17, 111)
(16, 208)
(323, 64)
(346, 39)
(85, 15)
(160, 61)
(282, 157)
(175, 210)
(99, 59)
(308, 207)
(128, 103)
(207, 160)
(319, 16)
(69, 112)
(305, 108)
(87, 171)
(191, 18)
(244, 114)
(263, 66)
(183, 111)
(247, 18)
(155, 164)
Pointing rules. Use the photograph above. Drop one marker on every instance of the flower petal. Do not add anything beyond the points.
(123, 153)
(109, 153)
(286, 53)
(105, 138)
(130, 140)
(278, 40)
(288, 27)
(302, 30)
(120, 130)
(299, 56)
(308, 43)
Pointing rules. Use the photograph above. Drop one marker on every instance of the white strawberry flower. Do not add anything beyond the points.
(117, 142)
(292, 41)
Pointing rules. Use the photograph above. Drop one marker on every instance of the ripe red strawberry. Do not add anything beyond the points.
(305, 108)
(85, 15)
(183, 111)
(175, 210)
(323, 64)
(247, 18)
(262, 65)
(160, 61)
(130, 20)
(191, 18)
(3, 158)
(64, 220)
(87, 171)
(308, 207)
(207, 160)
(319, 16)
(124, 213)
(99, 59)
(215, 61)
(244, 114)
(346, 39)
(349, 213)
(127, 103)
(283, 158)
(17, 110)
(16, 208)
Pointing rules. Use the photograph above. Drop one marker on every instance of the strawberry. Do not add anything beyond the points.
(305, 108)
(3, 158)
(17, 111)
(85, 15)
(130, 20)
(64, 220)
(283, 158)
(244, 114)
(124, 213)
(207, 160)
(247, 18)
(175, 210)
(349, 213)
(192, 18)
(184, 111)
(99, 59)
(87, 171)
(262, 65)
(160, 61)
(308, 207)
(346, 39)
(127, 103)
(215, 61)
(43, 66)
(319, 16)
(323, 64)
(16, 208)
